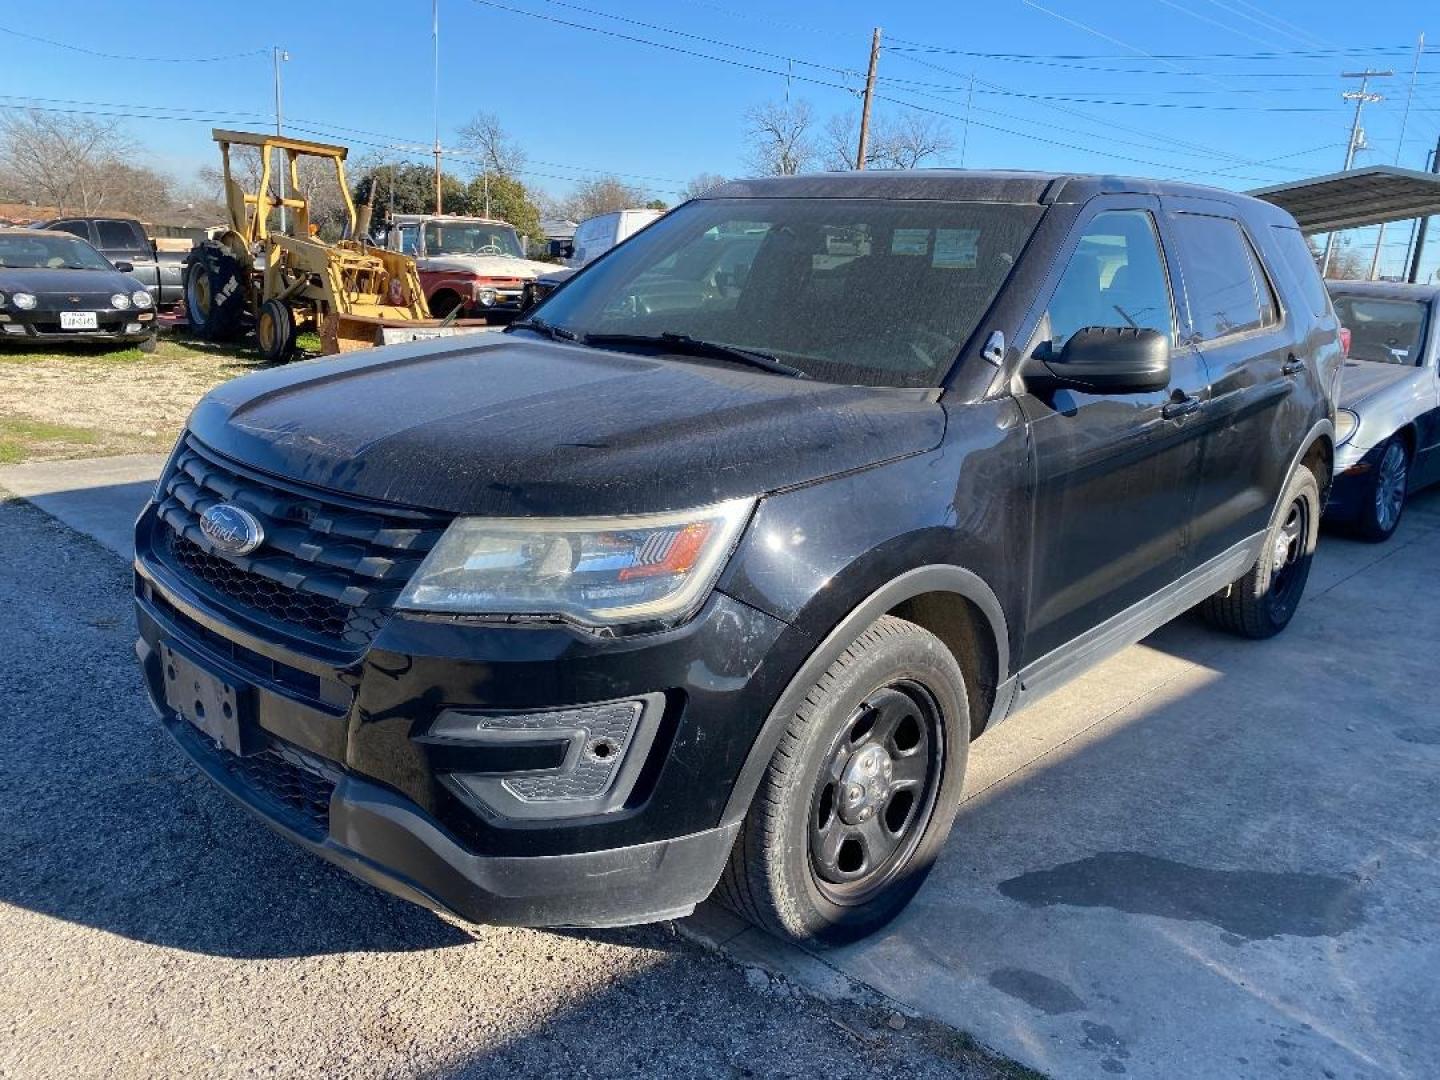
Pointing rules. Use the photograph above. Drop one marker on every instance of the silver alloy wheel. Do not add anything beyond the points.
(1390, 486)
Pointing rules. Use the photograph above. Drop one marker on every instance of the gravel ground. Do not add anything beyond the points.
(110, 401)
(150, 927)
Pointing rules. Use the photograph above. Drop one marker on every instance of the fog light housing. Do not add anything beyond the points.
(133, 327)
(14, 328)
(546, 764)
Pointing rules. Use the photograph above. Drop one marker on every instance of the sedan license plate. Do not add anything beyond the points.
(213, 703)
(78, 320)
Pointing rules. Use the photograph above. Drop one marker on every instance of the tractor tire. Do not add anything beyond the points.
(214, 293)
(275, 332)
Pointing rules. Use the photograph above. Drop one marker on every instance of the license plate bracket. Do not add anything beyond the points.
(78, 320)
(214, 704)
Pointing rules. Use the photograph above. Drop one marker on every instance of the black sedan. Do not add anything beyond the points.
(56, 288)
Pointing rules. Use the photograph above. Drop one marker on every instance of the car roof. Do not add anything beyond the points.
(974, 185)
(48, 234)
(1395, 290)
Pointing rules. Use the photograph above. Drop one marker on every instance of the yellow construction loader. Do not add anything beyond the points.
(283, 281)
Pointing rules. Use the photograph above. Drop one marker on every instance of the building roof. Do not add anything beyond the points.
(1355, 198)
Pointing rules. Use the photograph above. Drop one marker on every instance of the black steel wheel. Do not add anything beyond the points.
(860, 793)
(877, 791)
(1262, 603)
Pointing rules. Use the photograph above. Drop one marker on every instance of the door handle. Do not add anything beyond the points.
(1292, 366)
(1178, 407)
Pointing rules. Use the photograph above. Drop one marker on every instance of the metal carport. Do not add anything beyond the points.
(1356, 198)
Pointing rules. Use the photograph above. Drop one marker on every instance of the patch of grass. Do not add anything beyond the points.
(20, 438)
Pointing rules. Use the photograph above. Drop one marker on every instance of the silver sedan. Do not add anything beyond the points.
(1388, 427)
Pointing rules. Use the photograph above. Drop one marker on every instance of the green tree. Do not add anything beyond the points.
(509, 201)
(413, 190)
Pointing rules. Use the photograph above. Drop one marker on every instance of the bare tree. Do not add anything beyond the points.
(602, 196)
(905, 143)
(911, 141)
(497, 149)
(701, 183)
(72, 163)
(781, 143)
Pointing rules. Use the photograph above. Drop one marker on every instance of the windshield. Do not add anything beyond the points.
(58, 252)
(1384, 330)
(862, 291)
(468, 238)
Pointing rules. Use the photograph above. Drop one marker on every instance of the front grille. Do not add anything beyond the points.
(327, 569)
(297, 790)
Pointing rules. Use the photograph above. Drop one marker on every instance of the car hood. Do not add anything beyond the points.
(46, 282)
(521, 427)
(1361, 380)
(498, 266)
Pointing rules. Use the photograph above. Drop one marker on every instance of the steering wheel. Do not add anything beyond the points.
(489, 249)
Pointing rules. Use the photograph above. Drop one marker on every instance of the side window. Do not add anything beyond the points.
(1264, 291)
(1220, 277)
(1115, 278)
(75, 228)
(1301, 262)
(118, 234)
(408, 233)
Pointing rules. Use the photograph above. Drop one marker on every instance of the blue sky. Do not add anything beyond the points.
(582, 101)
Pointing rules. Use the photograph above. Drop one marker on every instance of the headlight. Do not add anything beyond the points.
(2, 299)
(485, 296)
(1346, 422)
(594, 571)
(120, 301)
(23, 300)
(140, 298)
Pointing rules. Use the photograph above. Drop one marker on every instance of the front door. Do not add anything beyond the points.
(1115, 474)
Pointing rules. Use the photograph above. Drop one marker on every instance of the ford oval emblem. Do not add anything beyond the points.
(231, 529)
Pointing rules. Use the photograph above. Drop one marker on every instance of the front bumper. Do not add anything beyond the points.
(355, 725)
(1354, 474)
(44, 325)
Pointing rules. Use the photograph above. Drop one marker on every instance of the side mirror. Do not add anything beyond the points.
(125, 267)
(1104, 360)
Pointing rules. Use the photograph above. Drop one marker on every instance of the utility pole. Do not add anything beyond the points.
(965, 131)
(869, 98)
(278, 56)
(1424, 228)
(1399, 146)
(1357, 134)
(435, 40)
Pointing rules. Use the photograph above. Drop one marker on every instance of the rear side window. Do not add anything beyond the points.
(119, 234)
(1301, 263)
(1224, 284)
(75, 228)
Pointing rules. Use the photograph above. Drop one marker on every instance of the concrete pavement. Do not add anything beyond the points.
(100, 497)
(1206, 857)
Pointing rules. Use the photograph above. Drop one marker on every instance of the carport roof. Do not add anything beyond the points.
(1357, 197)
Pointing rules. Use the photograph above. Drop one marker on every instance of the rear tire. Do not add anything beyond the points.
(1262, 603)
(1384, 501)
(860, 794)
(214, 293)
(275, 331)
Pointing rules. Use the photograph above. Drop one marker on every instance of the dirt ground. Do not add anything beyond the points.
(86, 402)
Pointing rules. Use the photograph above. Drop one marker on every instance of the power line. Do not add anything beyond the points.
(135, 59)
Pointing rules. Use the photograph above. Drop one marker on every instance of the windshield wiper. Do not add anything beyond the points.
(690, 346)
(540, 326)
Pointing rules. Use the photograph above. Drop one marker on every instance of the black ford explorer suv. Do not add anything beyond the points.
(711, 569)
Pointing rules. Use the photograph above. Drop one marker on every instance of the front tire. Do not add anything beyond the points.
(860, 794)
(1262, 603)
(275, 331)
(1384, 500)
(214, 293)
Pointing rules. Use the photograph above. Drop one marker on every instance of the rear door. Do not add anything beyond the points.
(1254, 348)
(1115, 474)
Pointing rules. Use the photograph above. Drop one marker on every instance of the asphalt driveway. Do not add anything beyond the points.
(1206, 857)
